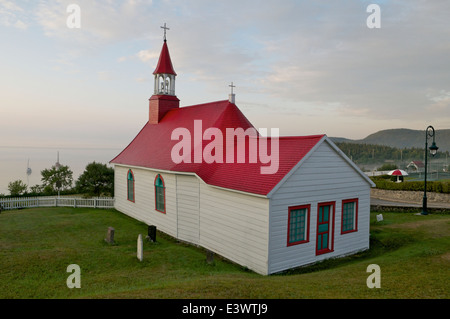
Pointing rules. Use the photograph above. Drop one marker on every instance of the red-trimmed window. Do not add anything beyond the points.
(325, 228)
(349, 221)
(298, 225)
(160, 194)
(130, 186)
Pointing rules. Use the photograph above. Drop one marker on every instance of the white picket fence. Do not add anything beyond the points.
(55, 201)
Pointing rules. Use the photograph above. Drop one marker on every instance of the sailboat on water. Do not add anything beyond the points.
(29, 171)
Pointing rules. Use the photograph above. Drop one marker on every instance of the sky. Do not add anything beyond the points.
(305, 67)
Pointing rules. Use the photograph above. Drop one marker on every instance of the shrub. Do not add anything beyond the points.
(432, 186)
(445, 187)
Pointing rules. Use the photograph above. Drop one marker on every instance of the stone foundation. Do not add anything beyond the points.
(409, 196)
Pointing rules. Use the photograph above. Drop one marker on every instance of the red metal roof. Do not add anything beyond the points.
(152, 148)
(164, 62)
(419, 163)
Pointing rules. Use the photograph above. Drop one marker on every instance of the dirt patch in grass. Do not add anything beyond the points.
(431, 228)
(446, 256)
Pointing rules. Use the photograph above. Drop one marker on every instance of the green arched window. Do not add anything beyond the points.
(130, 186)
(160, 194)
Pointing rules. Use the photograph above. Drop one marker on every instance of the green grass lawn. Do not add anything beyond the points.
(37, 245)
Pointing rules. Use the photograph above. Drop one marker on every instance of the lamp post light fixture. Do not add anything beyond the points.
(433, 150)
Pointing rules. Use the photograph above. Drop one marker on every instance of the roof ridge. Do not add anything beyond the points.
(203, 104)
(301, 136)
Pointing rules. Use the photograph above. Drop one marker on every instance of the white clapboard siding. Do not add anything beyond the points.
(143, 208)
(325, 176)
(188, 201)
(231, 224)
(235, 226)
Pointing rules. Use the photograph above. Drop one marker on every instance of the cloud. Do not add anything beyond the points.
(10, 6)
(441, 102)
(20, 25)
(147, 55)
(102, 22)
(12, 15)
(317, 59)
(441, 96)
(329, 55)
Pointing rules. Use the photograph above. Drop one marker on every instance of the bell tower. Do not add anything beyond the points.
(163, 98)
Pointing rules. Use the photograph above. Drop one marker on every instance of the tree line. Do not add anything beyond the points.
(371, 153)
(96, 180)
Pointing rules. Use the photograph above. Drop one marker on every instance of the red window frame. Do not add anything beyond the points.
(330, 232)
(353, 200)
(128, 187)
(308, 214)
(164, 193)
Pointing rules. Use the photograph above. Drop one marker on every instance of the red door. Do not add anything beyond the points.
(325, 228)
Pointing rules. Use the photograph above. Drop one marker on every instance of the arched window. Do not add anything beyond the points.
(160, 194)
(161, 84)
(167, 89)
(130, 186)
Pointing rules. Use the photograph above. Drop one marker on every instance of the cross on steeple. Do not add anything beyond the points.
(165, 28)
(231, 97)
(232, 86)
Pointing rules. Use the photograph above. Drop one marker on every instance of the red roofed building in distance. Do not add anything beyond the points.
(313, 204)
(416, 166)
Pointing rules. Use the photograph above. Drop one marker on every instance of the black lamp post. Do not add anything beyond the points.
(433, 149)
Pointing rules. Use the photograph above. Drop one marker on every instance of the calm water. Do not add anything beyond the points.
(14, 161)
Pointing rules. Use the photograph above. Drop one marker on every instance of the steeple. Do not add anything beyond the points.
(165, 63)
(164, 73)
(163, 98)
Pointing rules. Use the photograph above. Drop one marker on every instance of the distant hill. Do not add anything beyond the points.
(402, 138)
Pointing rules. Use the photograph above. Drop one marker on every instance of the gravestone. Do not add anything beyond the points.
(209, 257)
(140, 248)
(152, 233)
(110, 236)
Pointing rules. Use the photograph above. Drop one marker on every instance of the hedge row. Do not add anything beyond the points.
(432, 186)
